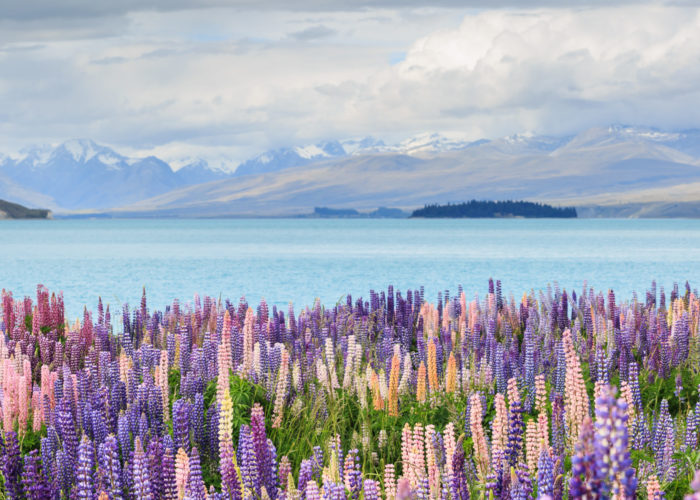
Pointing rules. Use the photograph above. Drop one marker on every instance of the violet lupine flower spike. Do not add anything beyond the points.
(33, 480)
(195, 485)
(141, 480)
(84, 487)
(11, 462)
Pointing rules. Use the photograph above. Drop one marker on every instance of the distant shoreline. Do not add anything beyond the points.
(15, 211)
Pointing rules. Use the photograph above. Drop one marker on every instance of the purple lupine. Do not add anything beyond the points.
(248, 462)
(33, 481)
(109, 468)
(123, 434)
(213, 429)
(611, 447)
(370, 489)
(181, 424)
(195, 484)
(155, 466)
(66, 428)
(168, 472)
(545, 474)
(63, 472)
(305, 474)
(266, 474)
(11, 462)
(460, 485)
(197, 421)
(583, 482)
(141, 485)
(515, 434)
(522, 489)
(84, 488)
(229, 476)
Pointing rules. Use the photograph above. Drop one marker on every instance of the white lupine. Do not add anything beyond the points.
(348, 372)
(405, 384)
(330, 360)
(257, 365)
(296, 376)
(322, 375)
(383, 387)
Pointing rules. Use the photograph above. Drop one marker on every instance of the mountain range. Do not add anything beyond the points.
(606, 171)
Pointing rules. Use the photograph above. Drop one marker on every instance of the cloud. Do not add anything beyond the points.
(313, 33)
(81, 9)
(232, 82)
(569, 67)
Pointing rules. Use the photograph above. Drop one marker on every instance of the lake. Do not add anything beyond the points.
(297, 260)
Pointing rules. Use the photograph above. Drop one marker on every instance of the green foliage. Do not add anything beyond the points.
(174, 385)
(31, 440)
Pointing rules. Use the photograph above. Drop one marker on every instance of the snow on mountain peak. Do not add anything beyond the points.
(310, 151)
(82, 150)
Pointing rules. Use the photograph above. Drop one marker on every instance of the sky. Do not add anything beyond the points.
(224, 80)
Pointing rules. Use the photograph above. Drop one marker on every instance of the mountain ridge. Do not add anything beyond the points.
(614, 161)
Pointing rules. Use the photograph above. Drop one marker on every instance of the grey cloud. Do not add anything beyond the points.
(52, 9)
(313, 33)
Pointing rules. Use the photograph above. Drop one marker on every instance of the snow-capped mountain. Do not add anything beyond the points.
(79, 174)
(197, 171)
(608, 165)
(282, 158)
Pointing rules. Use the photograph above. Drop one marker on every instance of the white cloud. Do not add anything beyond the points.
(227, 83)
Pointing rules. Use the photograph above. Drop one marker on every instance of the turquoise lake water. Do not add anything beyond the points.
(299, 259)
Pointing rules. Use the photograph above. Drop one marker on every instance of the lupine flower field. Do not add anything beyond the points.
(555, 395)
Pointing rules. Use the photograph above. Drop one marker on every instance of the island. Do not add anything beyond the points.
(9, 210)
(494, 209)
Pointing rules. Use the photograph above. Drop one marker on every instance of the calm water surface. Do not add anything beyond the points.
(297, 260)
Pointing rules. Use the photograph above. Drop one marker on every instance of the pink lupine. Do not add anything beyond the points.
(282, 383)
(532, 445)
(182, 472)
(513, 392)
(481, 452)
(418, 451)
(406, 448)
(576, 399)
(37, 417)
(389, 481)
(248, 342)
(312, 491)
(225, 357)
(499, 428)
